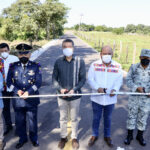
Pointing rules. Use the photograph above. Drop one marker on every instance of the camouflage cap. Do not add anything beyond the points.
(145, 52)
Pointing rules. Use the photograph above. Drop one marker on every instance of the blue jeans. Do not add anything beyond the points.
(97, 113)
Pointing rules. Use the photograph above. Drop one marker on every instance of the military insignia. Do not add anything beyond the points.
(16, 73)
(31, 73)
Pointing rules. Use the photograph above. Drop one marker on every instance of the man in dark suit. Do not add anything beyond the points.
(24, 78)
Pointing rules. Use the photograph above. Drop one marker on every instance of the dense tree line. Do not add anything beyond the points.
(31, 19)
(130, 28)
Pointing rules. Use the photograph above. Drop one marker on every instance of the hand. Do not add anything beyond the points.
(20, 93)
(140, 90)
(112, 93)
(25, 95)
(71, 92)
(100, 90)
(63, 91)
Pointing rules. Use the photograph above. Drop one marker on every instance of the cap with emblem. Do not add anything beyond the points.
(145, 52)
(23, 48)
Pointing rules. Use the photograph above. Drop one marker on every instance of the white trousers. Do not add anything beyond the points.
(69, 108)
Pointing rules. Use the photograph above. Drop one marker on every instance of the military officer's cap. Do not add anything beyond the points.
(145, 52)
(23, 48)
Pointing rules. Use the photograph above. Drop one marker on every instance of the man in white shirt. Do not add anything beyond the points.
(104, 76)
(8, 59)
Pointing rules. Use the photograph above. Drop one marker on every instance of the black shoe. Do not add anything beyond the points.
(35, 144)
(19, 145)
(8, 129)
(129, 137)
(140, 138)
(109, 142)
(62, 143)
(92, 141)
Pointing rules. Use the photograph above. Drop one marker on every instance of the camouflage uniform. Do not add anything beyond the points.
(138, 106)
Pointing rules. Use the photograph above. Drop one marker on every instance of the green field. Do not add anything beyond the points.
(126, 46)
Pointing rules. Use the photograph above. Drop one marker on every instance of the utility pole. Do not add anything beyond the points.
(81, 16)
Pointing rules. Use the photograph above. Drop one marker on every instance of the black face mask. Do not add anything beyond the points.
(24, 60)
(145, 62)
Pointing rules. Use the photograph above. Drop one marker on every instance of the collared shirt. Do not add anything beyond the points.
(69, 75)
(10, 59)
(24, 65)
(101, 76)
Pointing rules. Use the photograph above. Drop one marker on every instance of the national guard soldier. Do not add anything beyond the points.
(24, 78)
(138, 80)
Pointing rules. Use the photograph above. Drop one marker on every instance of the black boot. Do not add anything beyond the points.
(140, 138)
(129, 137)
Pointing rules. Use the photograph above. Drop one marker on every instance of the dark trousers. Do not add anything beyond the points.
(6, 109)
(97, 113)
(21, 114)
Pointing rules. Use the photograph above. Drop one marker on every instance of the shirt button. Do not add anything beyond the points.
(24, 82)
(24, 88)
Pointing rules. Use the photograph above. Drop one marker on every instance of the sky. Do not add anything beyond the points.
(113, 13)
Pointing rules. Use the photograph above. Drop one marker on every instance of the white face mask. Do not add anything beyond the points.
(68, 52)
(5, 54)
(107, 58)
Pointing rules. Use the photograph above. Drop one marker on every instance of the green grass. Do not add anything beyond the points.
(128, 40)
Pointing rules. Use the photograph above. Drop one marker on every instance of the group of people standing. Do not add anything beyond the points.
(104, 76)
(21, 78)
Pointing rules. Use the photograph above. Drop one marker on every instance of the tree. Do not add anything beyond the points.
(30, 19)
(130, 28)
(118, 30)
(84, 27)
(103, 28)
(53, 17)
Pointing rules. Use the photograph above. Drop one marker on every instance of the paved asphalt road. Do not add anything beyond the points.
(49, 113)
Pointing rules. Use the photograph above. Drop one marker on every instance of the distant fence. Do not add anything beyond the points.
(120, 55)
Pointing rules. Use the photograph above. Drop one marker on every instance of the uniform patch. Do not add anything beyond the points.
(16, 73)
(31, 73)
